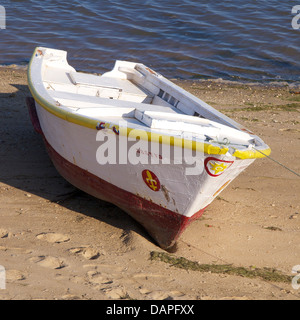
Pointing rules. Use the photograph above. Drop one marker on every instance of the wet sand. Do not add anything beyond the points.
(59, 243)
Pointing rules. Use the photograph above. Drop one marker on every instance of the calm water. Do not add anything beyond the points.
(190, 39)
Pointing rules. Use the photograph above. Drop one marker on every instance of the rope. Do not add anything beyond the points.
(226, 142)
(284, 166)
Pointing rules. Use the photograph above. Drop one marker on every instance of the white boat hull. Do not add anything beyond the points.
(165, 210)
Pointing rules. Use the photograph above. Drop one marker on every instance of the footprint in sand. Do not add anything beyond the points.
(116, 293)
(14, 275)
(97, 278)
(53, 237)
(48, 262)
(87, 252)
(165, 295)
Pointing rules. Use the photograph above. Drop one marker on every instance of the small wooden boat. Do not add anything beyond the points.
(137, 140)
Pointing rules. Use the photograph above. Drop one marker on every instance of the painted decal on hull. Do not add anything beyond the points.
(215, 167)
(151, 180)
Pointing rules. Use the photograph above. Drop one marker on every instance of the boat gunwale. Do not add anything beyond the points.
(85, 121)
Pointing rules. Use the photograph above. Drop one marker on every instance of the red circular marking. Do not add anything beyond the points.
(151, 180)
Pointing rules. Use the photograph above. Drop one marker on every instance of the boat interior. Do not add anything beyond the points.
(143, 98)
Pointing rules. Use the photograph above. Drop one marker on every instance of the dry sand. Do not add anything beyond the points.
(59, 243)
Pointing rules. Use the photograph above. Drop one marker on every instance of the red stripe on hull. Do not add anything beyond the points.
(165, 226)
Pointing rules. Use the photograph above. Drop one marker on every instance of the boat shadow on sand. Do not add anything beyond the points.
(25, 165)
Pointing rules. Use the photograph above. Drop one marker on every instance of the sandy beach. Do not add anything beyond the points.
(59, 243)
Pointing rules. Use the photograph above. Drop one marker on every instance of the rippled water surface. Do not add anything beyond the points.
(190, 39)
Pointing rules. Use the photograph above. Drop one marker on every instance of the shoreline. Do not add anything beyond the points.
(267, 83)
(59, 243)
